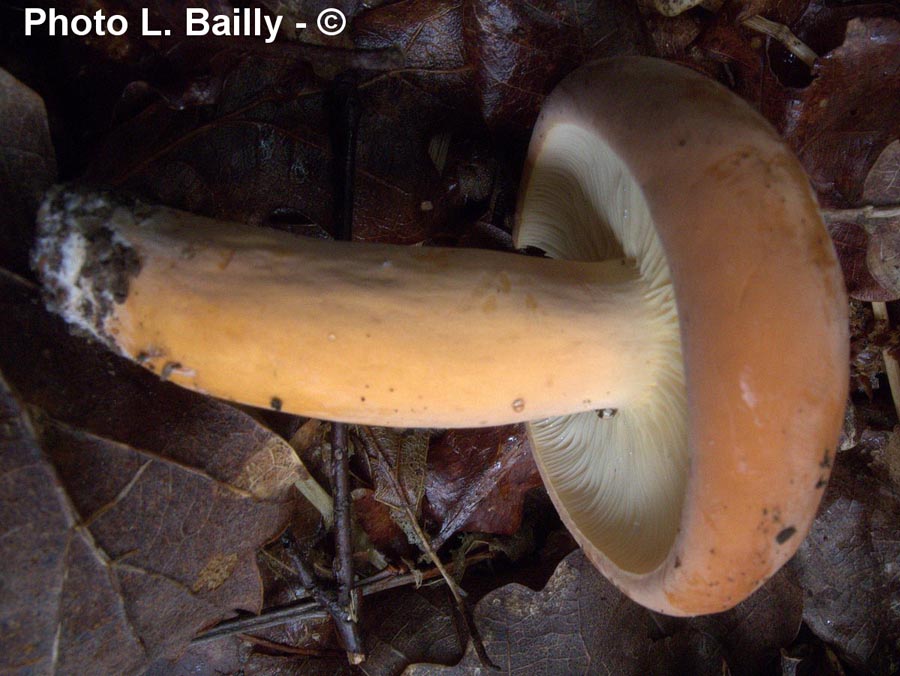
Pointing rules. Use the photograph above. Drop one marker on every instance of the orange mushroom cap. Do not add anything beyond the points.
(654, 161)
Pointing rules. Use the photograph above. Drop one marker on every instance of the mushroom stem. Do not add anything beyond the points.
(376, 334)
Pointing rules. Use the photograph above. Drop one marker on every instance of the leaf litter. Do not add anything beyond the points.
(114, 459)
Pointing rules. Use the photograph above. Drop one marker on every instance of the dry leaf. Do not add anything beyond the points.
(849, 563)
(579, 623)
(519, 51)
(409, 626)
(397, 465)
(83, 385)
(262, 153)
(882, 185)
(160, 499)
(397, 458)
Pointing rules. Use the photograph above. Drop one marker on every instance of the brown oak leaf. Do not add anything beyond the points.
(153, 498)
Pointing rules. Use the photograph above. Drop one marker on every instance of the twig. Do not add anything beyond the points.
(374, 445)
(286, 649)
(19, 280)
(865, 217)
(784, 35)
(346, 628)
(345, 139)
(307, 610)
(343, 526)
(326, 61)
(304, 609)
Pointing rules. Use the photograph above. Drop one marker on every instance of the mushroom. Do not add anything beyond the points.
(681, 358)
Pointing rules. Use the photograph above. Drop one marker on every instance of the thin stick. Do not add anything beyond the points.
(343, 526)
(784, 35)
(295, 612)
(304, 609)
(374, 444)
(863, 216)
(345, 141)
(346, 628)
(286, 649)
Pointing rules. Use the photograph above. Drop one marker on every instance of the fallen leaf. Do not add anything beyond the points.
(27, 168)
(580, 623)
(158, 500)
(415, 625)
(81, 384)
(396, 459)
(36, 524)
(883, 259)
(849, 562)
(477, 480)
(307, 11)
(753, 633)
(519, 51)
(380, 525)
(674, 7)
(882, 185)
(851, 243)
(810, 656)
(844, 119)
(842, 127)
(137, 531)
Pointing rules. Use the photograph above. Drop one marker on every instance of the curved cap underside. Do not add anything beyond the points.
(621, 477)
(698, 188)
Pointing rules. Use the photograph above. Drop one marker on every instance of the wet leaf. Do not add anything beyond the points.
(158, 500)
(477, 480)
(27, 168)
(844, 119)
